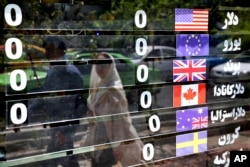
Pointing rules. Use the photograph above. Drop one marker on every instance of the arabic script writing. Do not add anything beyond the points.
(229, 90)
(221, 115)
(233, 67)
(230, 45)
(229, 138)
(224, 160)
(231, 19)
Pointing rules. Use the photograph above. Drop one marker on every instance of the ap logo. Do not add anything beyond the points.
(239, 158)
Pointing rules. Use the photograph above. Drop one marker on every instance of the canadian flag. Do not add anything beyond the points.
(186, 95)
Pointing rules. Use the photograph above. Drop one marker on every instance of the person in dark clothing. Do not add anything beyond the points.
(61, 108)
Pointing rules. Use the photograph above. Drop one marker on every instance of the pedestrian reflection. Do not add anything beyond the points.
(60, 77)
(107, 97)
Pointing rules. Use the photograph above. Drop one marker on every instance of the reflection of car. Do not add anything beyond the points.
(154, 52)
(35, 74)
(125, 67)
(237, 68)
(157, 57)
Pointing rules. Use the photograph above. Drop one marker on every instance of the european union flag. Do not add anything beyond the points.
(192, 45)
(191, 143)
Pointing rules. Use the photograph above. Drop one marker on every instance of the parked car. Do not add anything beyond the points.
(35, 73)
(159, 57)
(236, 68)
(234, 71)
(158, 52)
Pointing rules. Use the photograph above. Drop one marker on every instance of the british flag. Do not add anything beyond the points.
(189, 70)
(200, 122)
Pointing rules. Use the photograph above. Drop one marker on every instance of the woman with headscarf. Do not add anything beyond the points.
(107, 97)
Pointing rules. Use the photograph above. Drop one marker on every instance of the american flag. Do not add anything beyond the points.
(189, 70)
(191, 19)
(200, 122)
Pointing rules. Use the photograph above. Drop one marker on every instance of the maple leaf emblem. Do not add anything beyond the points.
(189, 95)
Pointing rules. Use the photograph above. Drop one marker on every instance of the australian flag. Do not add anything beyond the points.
(193, 118)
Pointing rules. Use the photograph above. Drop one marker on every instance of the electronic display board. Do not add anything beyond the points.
(124, 83)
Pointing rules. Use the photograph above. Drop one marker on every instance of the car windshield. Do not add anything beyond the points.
(134, 56)
(243, 57)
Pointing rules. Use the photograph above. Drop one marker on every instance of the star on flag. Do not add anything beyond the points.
(192, 45)
(191, 19)
(194, 118)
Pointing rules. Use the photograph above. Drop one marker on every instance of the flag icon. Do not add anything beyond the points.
(192, 45)
(189, 70)
(195, 118)
(186, 95)
(191, 19)
(191, 143)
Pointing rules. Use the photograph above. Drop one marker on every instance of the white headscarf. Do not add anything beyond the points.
(99, 85)
(109, 90)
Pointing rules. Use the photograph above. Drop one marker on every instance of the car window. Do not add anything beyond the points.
(84, 68)
(134, 56)
(168, 53)
(122, 66)
(243, 59)
(155, 53)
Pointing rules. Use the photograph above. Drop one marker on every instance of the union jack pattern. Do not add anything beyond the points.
(200, 122)
(189, 70)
